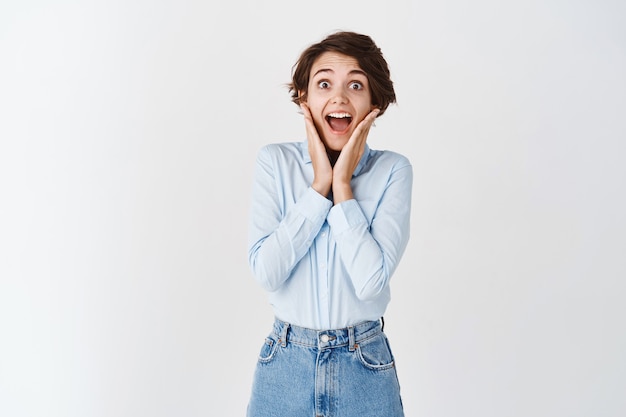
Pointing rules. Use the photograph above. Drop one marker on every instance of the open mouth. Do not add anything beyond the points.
(339, 122)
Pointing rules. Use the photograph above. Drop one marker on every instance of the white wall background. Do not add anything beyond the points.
(128, 135)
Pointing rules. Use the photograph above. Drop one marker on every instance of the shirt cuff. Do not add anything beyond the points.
(345, 216)
(314, 206)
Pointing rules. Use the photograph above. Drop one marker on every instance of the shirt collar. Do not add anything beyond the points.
(366, 154)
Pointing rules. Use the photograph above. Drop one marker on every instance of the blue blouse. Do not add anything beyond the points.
(327, 266)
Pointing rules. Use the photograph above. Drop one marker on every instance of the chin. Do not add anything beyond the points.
(336, 143)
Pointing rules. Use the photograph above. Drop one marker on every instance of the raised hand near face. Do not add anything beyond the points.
(349, 159)
(322, 170)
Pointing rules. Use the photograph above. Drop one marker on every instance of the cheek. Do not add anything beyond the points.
(313, 99)
(316, 109)
(319, 122)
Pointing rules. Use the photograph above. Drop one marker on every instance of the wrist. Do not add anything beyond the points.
(322, 187)
(342, 192)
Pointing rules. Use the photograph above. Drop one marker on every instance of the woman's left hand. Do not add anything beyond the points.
(349, 159)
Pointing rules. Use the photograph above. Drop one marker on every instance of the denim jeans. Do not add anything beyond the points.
(330, 373)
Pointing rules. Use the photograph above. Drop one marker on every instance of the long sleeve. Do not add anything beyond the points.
(370, 253)
(325, 266)
(280, 234)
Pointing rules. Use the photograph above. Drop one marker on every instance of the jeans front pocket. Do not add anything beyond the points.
(375, 354)
(268, 350)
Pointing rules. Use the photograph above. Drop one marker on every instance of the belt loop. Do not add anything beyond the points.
(283, 334)
(351, 340)
(382, 324)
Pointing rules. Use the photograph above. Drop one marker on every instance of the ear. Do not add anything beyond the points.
(302, 96)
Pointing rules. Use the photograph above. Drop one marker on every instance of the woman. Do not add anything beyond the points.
(329, 224)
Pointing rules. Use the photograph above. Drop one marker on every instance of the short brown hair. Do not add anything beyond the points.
(360, 47)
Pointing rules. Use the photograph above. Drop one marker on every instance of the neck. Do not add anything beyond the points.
(332, 156)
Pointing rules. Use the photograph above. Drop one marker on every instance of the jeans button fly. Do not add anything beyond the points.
(324, 338)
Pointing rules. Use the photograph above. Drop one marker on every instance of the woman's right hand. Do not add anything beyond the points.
(322, 170)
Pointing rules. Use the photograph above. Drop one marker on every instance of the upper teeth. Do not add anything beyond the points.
(339, 115)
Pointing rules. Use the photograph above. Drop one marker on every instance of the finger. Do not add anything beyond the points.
(369, 119)
(311, 130)
(305, 110)
(306, 113)
(359, 137)
(373, 114)
(308, 119)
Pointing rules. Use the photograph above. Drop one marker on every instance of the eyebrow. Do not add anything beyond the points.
(354, 71)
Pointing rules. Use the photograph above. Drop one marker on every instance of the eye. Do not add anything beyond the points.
(323, 84)
(355, 85)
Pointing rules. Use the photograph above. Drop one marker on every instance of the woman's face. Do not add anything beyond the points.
(338, 97)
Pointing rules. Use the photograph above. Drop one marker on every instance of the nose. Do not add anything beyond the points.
(340, 97)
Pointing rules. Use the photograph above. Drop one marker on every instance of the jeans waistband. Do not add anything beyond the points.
(349, 336)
